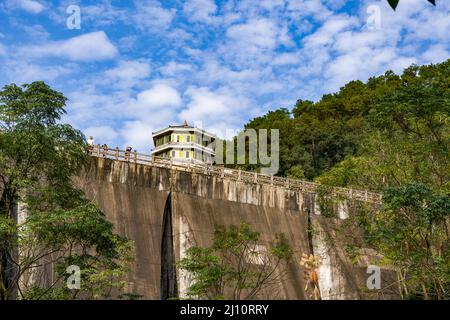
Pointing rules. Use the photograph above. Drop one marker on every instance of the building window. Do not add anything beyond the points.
(187, 154)
(178, 138)
(173, 154)
(188, 138)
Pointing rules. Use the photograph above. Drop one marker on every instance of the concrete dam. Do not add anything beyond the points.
(165, 210)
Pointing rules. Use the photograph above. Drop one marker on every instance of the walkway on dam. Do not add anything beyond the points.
(238, 175)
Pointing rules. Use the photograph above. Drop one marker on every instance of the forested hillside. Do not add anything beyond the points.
(391, 130)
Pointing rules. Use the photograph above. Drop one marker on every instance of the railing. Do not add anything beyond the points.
(122, 155)
(190, 165)
(190, 144)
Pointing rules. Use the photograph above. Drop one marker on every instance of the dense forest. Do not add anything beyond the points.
(60, 228)
(391, 130)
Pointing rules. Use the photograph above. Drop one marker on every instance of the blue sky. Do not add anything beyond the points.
(137, 66)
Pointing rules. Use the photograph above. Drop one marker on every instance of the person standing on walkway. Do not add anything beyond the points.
(105, 150)
(127, 153)
(90, 143)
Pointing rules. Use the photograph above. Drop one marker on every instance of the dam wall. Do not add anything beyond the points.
(165, 211)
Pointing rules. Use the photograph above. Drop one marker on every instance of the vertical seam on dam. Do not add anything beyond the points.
(168, 272)
(309, 231)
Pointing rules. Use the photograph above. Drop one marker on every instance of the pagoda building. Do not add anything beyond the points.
(184, 144)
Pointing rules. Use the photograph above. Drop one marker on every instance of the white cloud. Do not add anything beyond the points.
(88, 106)
(252, 9)
(159, 96)
(215, 72)
(206, 104)
(133, 116)
(362, 63)
(138, 135)
(419, 20)
(102, 134)
(19, 71)
(300, 9)
(103, 14)
(30, 6)
(347, 41)
(174, 68)
(127, 43)
(128, 73)
(342, 49)
(253, 42)
(178, 36)
(255, 34)
(216, 109)
(87, 47)
(200, 10)
(271, 5)
(327, 33)
(436, 53)
(287, 59)
(152, 16)
(2, 50)
(36, 33)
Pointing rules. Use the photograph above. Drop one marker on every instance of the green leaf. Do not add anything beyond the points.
(219, 270)
(393, 3)
(39, 155)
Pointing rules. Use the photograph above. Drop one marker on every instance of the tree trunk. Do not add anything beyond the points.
(8, 269)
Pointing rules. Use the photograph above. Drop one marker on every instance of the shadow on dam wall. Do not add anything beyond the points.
(167, 211)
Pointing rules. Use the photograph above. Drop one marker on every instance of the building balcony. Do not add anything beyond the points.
(182, 145)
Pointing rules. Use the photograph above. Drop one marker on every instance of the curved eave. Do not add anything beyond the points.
(174, 129)
(167, 146)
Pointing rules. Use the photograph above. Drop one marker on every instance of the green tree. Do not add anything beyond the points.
(278, 119)
(315, 136)
(407, 138)
(38, 158)
(411, 231)
(77, 237)
(236, 266)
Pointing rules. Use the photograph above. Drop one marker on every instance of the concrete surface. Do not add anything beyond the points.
(134, 198)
